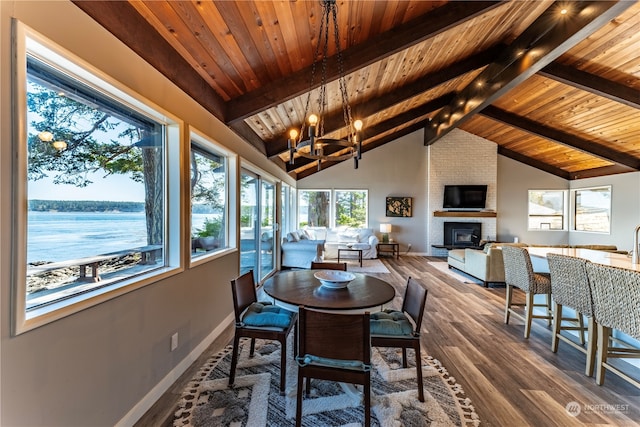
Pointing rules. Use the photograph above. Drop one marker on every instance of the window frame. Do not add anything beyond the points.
(207, 144)
(332, 205)
(563, 216)
(29, 42)
(334, 196)
(574, 199)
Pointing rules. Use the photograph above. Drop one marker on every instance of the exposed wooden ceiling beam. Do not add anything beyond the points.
(533, 163)
(592, 83)
(365, 109)
(603, 171)
(544, 40)
(123, 21)
(356, 57)
(561, 137)
(245, 132)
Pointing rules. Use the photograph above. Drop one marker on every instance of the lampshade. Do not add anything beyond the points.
(385, 228)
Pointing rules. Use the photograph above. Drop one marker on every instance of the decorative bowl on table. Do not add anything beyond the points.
(334, 279)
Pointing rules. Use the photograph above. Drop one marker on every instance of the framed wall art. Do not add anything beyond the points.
(399, 206)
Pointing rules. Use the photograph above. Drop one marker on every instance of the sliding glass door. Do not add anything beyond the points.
(257, 225)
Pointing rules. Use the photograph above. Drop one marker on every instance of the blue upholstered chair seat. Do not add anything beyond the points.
(391, 322)
(263, 314)
(309, 359)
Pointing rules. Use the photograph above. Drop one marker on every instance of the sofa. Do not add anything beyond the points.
(343, 237)
(299, 248)
(487, 264)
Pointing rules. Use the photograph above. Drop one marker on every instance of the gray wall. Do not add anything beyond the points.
(93, 367)
(515, 179)
(395, 169)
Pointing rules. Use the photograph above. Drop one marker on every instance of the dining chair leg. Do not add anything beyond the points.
(234, 359)
(283, 365)
(299, 401)
(404, 357)
(419, 372)
(307, 390)
(507, 309)
(252, 349)
(367, 402)
(592, 336)
(557, 324)
(603, 349)
(528, 314)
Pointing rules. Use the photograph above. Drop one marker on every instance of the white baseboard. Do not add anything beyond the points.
(156, 392)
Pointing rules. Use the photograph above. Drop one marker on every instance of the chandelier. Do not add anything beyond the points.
(317, 146)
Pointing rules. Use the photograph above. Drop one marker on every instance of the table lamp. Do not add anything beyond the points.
(385, 229)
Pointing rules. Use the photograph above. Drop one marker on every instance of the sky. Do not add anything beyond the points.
(118, 188)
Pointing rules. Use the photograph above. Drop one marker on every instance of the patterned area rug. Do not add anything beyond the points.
(255, 399)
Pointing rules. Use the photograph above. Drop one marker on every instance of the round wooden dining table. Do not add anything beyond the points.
(299, 287)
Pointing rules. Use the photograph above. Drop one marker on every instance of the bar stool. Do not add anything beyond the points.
(518, 272)
(616, 301)
(570, 288)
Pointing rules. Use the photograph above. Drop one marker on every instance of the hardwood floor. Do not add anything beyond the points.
(510, 381)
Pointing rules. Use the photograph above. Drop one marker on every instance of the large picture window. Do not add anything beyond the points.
(547, 209)
(314, 208)
(95, 178)
(350, 208)
(209, 187)
(593, 209)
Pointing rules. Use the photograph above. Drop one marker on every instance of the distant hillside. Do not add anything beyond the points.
(84, 206)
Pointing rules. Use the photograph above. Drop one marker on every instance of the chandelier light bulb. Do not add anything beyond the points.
(59, 145)
(313, 120)
(45, 136)
(358, 125)
(293, 134)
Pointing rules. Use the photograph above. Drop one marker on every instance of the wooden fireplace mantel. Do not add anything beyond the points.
(466, 214)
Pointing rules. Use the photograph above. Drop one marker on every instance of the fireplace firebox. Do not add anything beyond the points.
(462, 234)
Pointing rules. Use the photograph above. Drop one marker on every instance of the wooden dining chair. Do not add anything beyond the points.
(329, 266)
(616, 301)
(518, 273)
(401, 329)
(333, 347)
(570, 288)
(258, 320)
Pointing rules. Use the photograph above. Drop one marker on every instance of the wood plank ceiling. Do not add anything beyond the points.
(557, 91)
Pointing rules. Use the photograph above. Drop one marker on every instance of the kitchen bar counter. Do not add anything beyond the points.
(598, 257)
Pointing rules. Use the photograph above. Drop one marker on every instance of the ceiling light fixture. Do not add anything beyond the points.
(317, 146)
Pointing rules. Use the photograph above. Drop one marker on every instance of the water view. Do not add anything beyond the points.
(59, 236)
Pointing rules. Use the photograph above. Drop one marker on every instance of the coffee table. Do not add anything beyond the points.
(347, 249)
(291, 289)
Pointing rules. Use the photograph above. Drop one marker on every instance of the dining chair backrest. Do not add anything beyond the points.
(415, 298)
(342, 266)
(570, 282)
(243, 289)
(616, 297)
(334, 335)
